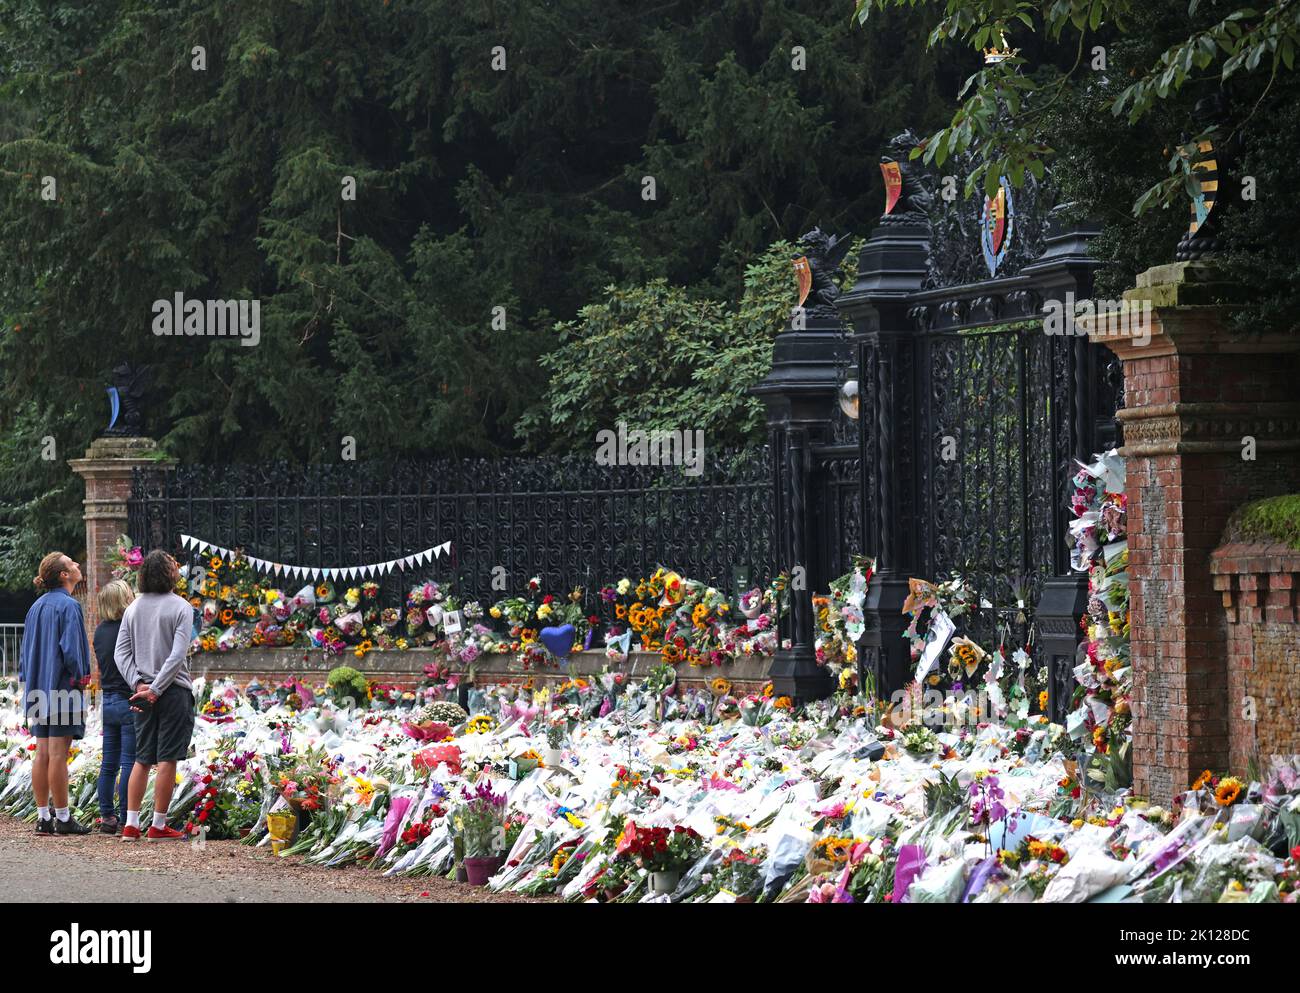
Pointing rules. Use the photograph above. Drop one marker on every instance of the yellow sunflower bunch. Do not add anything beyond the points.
(834, 849)
(481, 724)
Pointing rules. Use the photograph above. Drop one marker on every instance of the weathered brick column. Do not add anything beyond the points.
(1211, 422)
(106, 468)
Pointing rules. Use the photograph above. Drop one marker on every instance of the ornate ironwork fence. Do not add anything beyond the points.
(563, 518)
(972, 415)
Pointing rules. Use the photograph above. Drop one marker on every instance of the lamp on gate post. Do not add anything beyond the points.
(802, 395)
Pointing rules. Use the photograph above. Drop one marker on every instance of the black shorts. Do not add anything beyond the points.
(162, 733)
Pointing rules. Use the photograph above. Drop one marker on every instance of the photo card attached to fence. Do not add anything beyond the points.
(451, 623)
(942, 628)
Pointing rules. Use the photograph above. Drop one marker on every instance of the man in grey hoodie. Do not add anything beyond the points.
(151, 656)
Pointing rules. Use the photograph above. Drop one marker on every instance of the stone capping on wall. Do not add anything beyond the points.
(1257, 580)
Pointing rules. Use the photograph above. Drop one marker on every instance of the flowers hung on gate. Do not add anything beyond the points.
(124, 560)
(1099, 546)
(840, 619)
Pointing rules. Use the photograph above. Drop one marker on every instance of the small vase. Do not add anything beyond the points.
(664, 882)
(552, 757)
(480, 870)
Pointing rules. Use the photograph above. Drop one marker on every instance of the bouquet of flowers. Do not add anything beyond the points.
(659, 849)
(481, 820)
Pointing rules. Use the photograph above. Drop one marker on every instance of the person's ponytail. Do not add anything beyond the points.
(52, 566)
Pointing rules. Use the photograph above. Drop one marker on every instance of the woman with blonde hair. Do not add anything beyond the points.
(118, 755)
(54, 663)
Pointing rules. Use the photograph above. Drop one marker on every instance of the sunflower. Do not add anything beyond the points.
(834, 849)
(215, 563)
(1042, 700)
(227, 616)
(1228, 790)
(620, 611)
(719, 687)
(1203, 780)
(767, 691)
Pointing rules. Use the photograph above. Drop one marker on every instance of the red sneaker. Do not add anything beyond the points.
(163, 834)
(130, 833)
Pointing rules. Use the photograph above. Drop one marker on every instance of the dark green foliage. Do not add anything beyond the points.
(476, 189)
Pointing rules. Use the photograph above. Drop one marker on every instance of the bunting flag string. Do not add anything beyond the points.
(403, 563)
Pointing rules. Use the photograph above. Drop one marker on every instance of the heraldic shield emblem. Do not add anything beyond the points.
(893, 174)
(803, 273)
(996, 226)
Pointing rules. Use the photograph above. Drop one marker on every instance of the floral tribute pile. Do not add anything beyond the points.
(615, 789)
(684, 620)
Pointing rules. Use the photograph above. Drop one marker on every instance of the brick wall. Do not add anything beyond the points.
(1258, 586)
(1197, 399)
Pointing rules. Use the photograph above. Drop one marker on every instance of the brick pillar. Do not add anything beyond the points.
(106, 468)
(1195, 396)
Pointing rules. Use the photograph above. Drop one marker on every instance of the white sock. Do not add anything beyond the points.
(159, 821)
(43, 813)
(61, 813)
(133, 818)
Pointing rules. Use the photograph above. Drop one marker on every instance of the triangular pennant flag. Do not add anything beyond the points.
(369, 570)
(315, 574)
(406, 562)
(186, 540)
(278, 567)
(446, 548)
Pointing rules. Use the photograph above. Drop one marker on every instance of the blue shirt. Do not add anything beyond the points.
(54, 655)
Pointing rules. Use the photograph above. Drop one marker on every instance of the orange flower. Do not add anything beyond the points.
(1228, 790)
(783, 703)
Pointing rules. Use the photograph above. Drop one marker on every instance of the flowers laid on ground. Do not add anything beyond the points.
(669, 780)
(480, 819)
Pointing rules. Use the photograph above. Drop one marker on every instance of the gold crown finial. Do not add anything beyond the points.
(999, 52)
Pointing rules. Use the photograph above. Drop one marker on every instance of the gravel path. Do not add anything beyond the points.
(100, 868)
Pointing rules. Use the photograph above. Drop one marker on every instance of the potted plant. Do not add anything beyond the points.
(665, 853)
(555, 732)
(348, 687)
(482, 826)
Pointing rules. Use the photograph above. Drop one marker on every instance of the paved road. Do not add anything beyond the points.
(98, 868)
